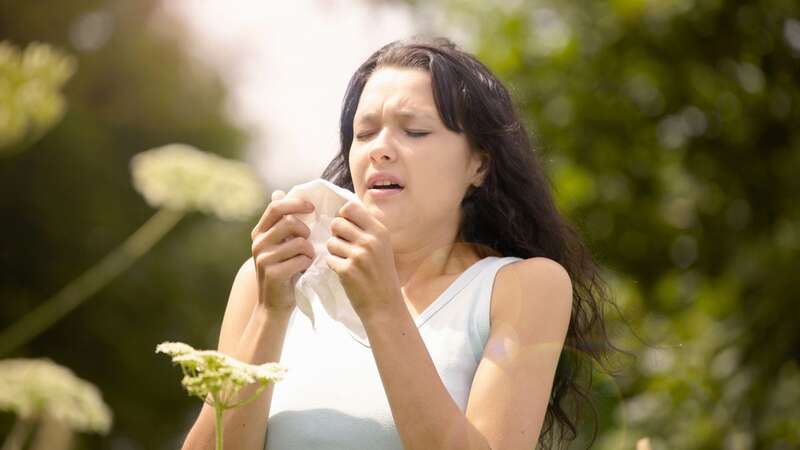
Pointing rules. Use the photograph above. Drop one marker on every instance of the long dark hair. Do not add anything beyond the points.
(512, 213)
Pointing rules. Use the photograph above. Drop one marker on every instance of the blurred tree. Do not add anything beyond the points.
(670, 132)
(68, 200)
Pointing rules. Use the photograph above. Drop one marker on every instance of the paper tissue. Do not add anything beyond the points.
(319, 283)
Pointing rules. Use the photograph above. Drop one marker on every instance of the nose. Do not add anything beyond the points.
(382, 148)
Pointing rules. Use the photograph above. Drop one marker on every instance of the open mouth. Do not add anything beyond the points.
(379, 192)
(388, 187)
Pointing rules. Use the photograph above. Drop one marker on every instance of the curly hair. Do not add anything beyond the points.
(509, 215)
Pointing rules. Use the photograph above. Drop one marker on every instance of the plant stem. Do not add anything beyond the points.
(52, 434)
(18, 435)
(83, 287)
(218, 410)
(258, 392)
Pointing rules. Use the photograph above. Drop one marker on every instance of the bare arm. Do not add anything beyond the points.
(531, 307)
(254, 335)
(256, 318)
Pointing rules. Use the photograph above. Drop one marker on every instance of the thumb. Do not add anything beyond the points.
(277, 195)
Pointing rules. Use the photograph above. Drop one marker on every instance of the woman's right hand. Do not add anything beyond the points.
(281, 249)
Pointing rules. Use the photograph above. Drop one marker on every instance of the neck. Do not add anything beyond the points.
(415, 267)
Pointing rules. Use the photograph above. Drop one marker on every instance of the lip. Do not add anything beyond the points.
(384, 193)
(384, 176)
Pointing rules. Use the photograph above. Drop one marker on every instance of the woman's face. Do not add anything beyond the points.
(397, 129)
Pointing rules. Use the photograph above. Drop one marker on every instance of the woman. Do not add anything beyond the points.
(468, 281)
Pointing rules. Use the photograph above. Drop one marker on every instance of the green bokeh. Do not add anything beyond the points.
(670, 132)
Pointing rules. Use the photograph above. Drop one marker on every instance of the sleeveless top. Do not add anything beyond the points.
(332, 396)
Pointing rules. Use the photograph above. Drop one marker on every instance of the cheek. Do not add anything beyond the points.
(447, 171)
(352, 158)
(355, 163)
(436, 187)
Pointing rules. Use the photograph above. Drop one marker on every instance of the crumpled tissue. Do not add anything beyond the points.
(319, 284)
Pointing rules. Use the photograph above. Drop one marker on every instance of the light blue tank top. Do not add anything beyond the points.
(332, 397)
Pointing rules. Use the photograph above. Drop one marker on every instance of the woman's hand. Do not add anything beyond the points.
(361, 253)
(281, 249)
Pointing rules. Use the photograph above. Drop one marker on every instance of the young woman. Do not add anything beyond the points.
(468, 281)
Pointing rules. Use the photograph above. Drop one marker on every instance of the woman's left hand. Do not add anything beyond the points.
(361, 253)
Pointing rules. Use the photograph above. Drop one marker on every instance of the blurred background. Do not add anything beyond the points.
(669, 129)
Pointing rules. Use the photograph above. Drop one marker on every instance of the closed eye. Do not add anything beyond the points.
(364, 135)
(414, 134)
(417, 134)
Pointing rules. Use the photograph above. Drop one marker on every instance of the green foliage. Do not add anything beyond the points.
(669, 129)
(670, 132)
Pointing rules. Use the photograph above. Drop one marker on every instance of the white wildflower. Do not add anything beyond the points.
(30, 83)
(209, 373)
(179, 176)
(46, 64)
(35, 387)
(174, 348)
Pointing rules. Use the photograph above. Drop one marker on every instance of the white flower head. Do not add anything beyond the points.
(179, 176)
(215, 374)
(30, 83)
(47, 64)
(174, 348)
(34, 387)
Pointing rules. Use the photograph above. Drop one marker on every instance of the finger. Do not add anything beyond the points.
(357, 215)
(297, 263)
(334, 262)
(289, 258)
(345, 230)
(290, 249)
(286, 228)
(338, 247)
(279, 208)
(276, 195)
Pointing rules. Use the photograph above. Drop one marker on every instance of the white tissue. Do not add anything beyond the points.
(319, 283)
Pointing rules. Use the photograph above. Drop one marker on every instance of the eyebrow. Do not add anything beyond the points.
(405, 113)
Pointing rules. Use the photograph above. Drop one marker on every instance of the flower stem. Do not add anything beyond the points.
(18, 435)
(83, 287)
(218, 410)
(251, 398)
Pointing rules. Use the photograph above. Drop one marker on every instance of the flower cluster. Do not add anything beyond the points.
(179, 176)
(30, 101)
(208, 373)
(32, 388)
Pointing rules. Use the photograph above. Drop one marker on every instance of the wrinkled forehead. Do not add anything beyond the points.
(400, 91)
(403, 111)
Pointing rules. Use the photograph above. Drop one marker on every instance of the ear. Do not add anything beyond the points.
(479, 166)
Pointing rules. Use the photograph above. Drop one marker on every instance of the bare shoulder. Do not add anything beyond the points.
(245, 283)
(241, 301)
(247, 272)
(523, 288)
(531, 307)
